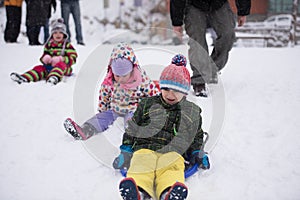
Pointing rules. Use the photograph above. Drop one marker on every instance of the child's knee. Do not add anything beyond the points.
(61, 65)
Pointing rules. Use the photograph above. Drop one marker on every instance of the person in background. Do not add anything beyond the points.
(72, 7)
(13, 20)
(36, 17)
(46, 26)
(195, 15)
(57, 60)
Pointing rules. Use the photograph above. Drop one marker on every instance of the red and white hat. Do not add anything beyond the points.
(176, 78)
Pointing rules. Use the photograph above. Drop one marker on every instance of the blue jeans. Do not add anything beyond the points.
(72, 7)
(46, 31)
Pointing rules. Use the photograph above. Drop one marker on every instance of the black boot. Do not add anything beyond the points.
(200, 90)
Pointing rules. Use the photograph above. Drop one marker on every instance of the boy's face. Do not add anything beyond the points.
(171, 97)
(58, 36)
(122, 79)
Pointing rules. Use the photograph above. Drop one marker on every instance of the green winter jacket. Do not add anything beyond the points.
(161, 127)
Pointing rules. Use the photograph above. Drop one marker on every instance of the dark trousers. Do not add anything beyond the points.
(12, 28)
(33, 34)
(222, 21)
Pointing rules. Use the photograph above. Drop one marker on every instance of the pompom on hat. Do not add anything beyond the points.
(179, 60)
(176, 77)
(58, 25)
(121, 66)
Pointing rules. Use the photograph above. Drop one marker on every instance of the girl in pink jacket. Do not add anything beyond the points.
(123, 87)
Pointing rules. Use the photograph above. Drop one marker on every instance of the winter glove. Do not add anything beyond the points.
(46, 59)
(123, 160)
(201, 158)
(56, 59)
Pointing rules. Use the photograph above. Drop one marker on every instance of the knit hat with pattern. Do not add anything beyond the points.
(58, 25)
(176, 78)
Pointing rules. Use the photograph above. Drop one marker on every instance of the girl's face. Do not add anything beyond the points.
(58, 36)
(122, 79)
(171, 97)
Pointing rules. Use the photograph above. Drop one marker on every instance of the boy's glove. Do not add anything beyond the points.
(200, 158)
(123, 160)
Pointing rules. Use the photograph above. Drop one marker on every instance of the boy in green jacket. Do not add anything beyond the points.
(164, 132)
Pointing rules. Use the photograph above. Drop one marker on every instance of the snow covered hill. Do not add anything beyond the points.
(252, 117)
(256, 157)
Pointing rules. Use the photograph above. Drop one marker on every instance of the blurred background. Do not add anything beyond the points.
(272, 23)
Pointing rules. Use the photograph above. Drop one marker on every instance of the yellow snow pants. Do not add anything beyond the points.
(154, 172)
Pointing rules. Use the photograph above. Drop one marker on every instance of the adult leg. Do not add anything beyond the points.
(46, 30)
(195, 25)
(223, 22)
(65, 13)
(33, 34)
(75, 10)
(13, 23)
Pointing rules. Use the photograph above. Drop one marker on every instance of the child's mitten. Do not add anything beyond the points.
(201, 158)
(123, 160)
(56, 59)
(47, 59)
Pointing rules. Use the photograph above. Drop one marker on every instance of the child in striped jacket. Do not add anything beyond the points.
(57, 60)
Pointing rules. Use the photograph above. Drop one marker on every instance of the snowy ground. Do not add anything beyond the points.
(252, 116)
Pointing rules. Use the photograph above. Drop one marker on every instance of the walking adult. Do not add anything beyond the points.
(36, 16)
(13, 20)
(72, 7)
(46, 25)
(195, 15)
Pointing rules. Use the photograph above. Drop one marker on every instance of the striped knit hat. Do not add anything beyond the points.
(176, 78)
(58, 25)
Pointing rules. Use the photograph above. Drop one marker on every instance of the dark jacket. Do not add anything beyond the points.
(37, 12)
(177, 8)
(161, 127)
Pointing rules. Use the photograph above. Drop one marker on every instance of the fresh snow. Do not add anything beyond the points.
(252, 116)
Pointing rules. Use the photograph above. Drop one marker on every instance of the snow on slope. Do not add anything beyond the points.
(257, 156)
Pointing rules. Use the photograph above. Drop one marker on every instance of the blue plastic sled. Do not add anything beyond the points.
(187, 173)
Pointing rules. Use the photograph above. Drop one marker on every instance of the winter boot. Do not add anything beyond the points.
(74, 129)
(129, 190)
(200, 90)
(18, 78)
(53, 80)
(177, 192)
